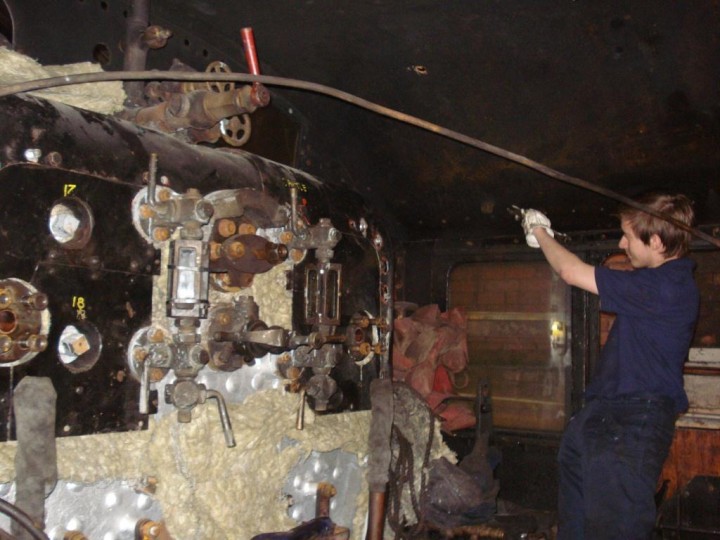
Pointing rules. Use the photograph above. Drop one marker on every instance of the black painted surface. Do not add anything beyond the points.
(106, 284)
(617, 93)
(101, 162)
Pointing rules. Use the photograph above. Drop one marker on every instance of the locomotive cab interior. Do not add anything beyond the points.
(259, 258)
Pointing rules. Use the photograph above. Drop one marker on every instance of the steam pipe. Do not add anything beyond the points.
(66, 80)
(135, 51)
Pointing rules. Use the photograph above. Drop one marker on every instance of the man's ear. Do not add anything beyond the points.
(656, 244)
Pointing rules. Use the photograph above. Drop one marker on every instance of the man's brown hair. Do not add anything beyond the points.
(678, 207)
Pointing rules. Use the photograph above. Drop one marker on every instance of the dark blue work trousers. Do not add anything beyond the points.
(610, 458)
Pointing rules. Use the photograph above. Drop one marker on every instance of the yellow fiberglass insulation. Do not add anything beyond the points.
(102, 97)
(270, 294)
(208, 491)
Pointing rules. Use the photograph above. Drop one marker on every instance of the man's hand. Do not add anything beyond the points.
(533, 219)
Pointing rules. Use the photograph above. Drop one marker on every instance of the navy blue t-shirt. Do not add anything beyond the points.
(648, 343)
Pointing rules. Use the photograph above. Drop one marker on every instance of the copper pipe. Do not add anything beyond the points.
(376, 516)
(324, 493)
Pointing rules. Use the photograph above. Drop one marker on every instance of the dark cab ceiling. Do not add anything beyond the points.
(622, 94)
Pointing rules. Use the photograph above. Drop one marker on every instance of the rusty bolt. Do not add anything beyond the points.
(297, 255)
(54, 159)
(156, 375)
(177, 105)
(148, 529)
(364, 348)
(215, 251)
(384, 294)
(164, 195)
(384, 265)
(156, 37)
(236, 250)
(140, 354)
(146, 211)
(286, 237)
(150, 486)
(74, 535)
(153, 90)
(247, 228)
(224, 319)
(226, 228)
(160, 234)
(283, 360)
(362, 322)
(219, 359)
(6, 343)
(6, 297)
(294, 373)
(156, 335)
(37, 343)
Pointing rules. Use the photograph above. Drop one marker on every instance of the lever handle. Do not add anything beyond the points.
(144, 388)
(224, 417)
(259, 96)
(248, 40)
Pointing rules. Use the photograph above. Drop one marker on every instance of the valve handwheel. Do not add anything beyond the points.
(219, 86)
(235, 130)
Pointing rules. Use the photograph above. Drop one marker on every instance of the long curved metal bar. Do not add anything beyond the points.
(297, 84)
(20, 517)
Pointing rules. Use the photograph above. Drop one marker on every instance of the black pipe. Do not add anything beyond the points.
(297, 84)
(135, 50)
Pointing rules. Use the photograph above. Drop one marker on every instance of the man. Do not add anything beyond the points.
(614, 448)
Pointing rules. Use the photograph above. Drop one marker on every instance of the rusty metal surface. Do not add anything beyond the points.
(692, 512)
(101, 287)
(611, 93)
(620, 94)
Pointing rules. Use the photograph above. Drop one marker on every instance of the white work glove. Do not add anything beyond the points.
(531, 220)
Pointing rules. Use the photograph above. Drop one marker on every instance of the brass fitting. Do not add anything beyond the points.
(226, 228)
